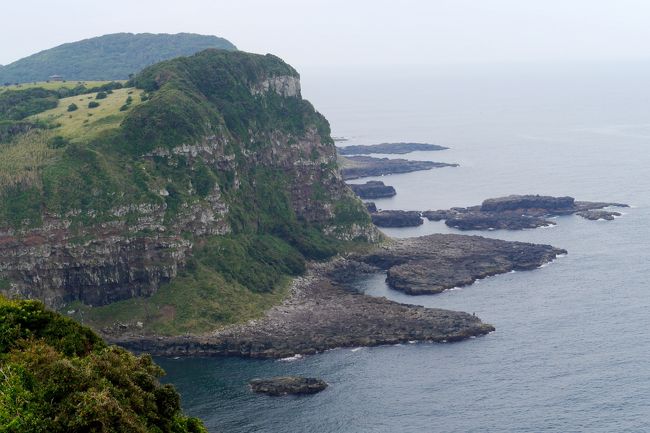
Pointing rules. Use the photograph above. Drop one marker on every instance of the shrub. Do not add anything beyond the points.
(73, 107)
(101, 95)
(124, 107)
(93, 104)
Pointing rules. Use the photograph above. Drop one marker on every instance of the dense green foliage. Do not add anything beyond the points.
(108, 57)
(58, 376)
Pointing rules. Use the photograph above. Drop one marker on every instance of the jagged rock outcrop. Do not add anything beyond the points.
(595, 215)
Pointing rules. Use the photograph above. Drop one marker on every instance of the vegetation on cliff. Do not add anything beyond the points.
(58, 376)
(108, 57)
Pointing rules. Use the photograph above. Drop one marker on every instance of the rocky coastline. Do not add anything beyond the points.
(322, 312)
(388, 148)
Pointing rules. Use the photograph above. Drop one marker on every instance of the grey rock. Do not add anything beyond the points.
(298, 385)
(354, 167)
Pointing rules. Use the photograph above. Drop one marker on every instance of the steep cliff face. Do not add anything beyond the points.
(225, 146)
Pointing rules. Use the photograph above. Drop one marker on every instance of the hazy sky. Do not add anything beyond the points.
(310, 33)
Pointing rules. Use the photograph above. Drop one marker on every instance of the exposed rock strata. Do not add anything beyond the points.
(320, 314)
(434, 263)
(297, 385)
(373, 189)
(354, 167)
(388, 148)
(517, 212)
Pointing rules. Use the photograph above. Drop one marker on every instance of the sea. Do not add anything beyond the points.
(571, 350)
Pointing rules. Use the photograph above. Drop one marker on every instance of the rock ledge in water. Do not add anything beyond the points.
(373, 189)
(284, 385)
(518, 212)
(388, 148)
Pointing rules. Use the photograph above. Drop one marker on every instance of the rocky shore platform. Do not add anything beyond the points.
(354, 167)
(322, 311)
(388, 148)
(518, 212)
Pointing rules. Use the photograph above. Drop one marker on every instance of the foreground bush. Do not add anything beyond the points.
(58, 376)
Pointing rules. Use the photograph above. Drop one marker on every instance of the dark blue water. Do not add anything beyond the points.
(572, 348)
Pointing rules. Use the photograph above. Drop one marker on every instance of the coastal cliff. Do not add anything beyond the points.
(222, 170)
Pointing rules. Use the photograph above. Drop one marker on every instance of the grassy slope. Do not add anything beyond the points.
(85, 124)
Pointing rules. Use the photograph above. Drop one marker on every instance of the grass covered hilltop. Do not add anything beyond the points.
(59, 376)
(108, 57)
(181, 201)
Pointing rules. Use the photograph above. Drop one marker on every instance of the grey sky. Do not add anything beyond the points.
(353, 32)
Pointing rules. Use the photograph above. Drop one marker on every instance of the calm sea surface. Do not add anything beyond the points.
(572, 347)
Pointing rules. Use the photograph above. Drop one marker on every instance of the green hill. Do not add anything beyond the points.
(184, 201)
(58, 376)
(108, 57)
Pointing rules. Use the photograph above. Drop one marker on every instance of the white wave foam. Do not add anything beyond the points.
(295, 357)
(356, 349)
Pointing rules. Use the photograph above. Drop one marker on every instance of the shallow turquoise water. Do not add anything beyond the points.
(572, 349)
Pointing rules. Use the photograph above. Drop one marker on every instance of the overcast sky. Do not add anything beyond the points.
(308, 33)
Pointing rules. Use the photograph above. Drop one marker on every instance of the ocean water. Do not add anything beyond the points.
(571, 351)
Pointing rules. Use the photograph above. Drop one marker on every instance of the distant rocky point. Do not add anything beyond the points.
(388, 148)
(517, 212)
(373, 189)
(284, 385)
(354, 167)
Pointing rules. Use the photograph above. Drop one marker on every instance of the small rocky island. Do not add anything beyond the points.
(388, 148)
(517, 212)
(373, 189)
(354, 167)
(296, 385)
